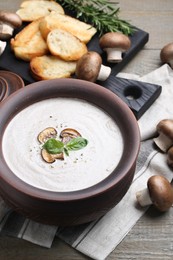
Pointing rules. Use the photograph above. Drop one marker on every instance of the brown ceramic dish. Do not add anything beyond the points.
(9, 83)
(81, 206)
(3, 88)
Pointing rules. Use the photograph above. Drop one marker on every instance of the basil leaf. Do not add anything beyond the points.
(76, 144)
(66, 151)
(54, 146)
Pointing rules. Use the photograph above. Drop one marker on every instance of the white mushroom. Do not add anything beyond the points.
(89, 67)
(114, 43)
(166, 54)
(8, 22)
(165, 139)
(159, 192)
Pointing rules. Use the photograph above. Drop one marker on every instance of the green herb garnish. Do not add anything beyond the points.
(54, 146)
(76, 144)
(102, 14)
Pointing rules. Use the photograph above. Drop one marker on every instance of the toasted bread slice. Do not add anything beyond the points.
(32, 10)
(65, 45)
(81, 30)
(29, 43)
(51, 67)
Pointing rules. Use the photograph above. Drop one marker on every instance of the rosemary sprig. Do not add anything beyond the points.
(100, 13)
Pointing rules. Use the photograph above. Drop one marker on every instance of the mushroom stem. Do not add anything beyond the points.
(143, 198)
(170, 157)
(7, 29)
(2, 46)
(114, 55)
(163, 142)
(104, 73)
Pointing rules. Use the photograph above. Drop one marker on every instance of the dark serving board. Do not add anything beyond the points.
(9, 62)
(146, 93)
(138, 95)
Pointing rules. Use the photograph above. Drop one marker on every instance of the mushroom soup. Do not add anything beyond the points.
(78, 170)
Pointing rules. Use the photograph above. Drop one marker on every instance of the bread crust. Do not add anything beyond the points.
(29, 43)
(83, 31)
(32, 10)
(51, 67)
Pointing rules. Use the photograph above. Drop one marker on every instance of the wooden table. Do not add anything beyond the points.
(152, 236)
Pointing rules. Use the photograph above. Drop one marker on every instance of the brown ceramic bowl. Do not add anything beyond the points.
(79, 206)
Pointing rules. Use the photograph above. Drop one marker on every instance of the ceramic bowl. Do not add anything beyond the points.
(9, 83)
(69, 207)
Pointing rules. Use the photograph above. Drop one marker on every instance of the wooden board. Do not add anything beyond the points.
(138, 95)
(9, 62)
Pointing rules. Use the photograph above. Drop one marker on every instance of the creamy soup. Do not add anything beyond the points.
(79, 170)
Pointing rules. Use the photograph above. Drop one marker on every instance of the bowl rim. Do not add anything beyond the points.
(76, 88)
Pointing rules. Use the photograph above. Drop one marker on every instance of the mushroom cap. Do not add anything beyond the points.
(10, 18)
(161, 192)
(166, 53)
(165, 126)
(115, 40)
(88, 66)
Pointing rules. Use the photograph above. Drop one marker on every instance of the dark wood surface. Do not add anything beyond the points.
(152, 236)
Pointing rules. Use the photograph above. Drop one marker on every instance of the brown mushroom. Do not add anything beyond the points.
(46, 134)
(68, 133)
(165, 139)
(166, 54)
(114, 43)
(50, 158)
(159, 193)
(89, 67)
(8, 22)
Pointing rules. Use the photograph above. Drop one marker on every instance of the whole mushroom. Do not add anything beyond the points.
(159, 192)
(165, 139)
(114, 43)
(8, 22)
(166, 54)
(89, 67)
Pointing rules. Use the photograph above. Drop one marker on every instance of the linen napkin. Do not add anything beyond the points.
(163, 106)
(99, 238)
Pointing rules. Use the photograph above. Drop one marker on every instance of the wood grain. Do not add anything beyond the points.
(152, 236)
